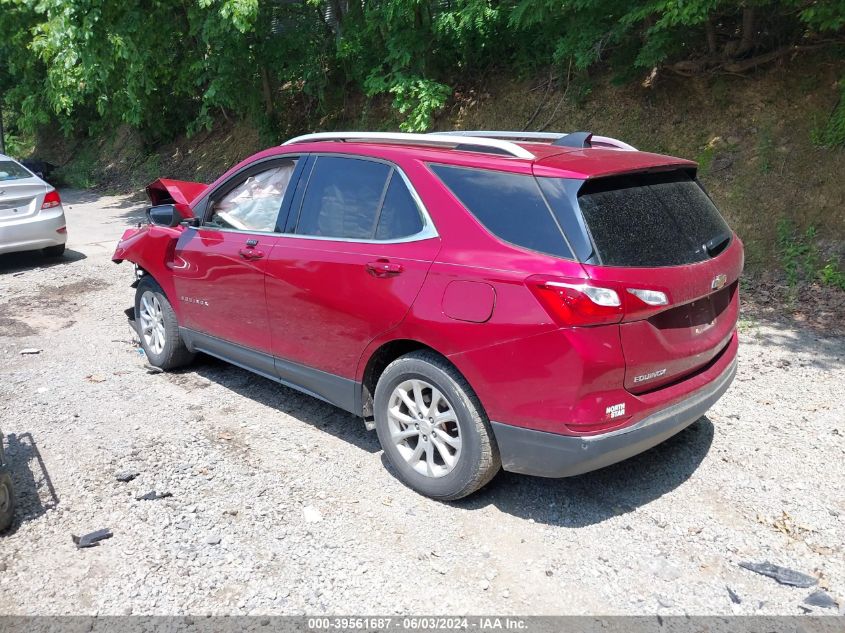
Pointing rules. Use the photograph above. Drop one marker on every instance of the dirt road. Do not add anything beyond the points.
(282, 504)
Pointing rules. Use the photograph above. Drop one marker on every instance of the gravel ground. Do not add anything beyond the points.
(282, 504)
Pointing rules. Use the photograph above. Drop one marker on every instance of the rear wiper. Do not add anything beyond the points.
(717, 244)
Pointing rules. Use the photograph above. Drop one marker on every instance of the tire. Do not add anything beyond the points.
(54, 251)
(7, 500)
(158, 328)
(419, 462)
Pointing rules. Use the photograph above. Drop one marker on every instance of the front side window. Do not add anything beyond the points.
(254, 204)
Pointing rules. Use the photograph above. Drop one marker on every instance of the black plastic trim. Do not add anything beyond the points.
(544, 454)
(336, 390)
(575, 139)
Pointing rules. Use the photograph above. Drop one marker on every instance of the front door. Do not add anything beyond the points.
(356, 253)
(219, 266)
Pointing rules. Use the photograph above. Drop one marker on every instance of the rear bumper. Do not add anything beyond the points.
(30, 234)
(544, 454)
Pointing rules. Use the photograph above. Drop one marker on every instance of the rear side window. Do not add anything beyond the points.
(652, 220)
(400, 216)
(343, 198)
(10, 170)
(510, 206)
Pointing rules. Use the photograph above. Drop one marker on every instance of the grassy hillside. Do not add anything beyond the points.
(752, 135)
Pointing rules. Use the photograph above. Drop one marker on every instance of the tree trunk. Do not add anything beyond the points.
(710, 32)
(748, 27)
(2, 133)
(267, 91)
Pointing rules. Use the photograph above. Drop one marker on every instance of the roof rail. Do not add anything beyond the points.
(452, 140)
(551, 137)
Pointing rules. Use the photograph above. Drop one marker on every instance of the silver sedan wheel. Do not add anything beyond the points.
(152, 322)
(424, 428)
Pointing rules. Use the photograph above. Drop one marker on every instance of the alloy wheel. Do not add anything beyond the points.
(424, 428)
(152, 322)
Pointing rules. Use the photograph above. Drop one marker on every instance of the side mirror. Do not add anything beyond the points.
(169, 214)
(164, 215)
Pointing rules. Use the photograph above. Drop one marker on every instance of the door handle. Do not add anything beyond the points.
(384, 268)
(250, 253)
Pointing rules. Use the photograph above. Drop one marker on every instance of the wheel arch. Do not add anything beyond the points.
(378, 361)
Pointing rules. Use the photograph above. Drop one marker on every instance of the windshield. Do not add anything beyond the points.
(10, 170)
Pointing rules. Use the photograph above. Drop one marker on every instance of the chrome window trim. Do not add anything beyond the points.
(429, 230)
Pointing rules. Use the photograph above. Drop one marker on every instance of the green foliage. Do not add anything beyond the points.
(831, 133)
(168, 66)
(800, 258)
(765, 149)
(831, 275)
(80, 171)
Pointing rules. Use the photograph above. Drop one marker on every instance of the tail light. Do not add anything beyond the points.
(51, 200)
(582, 302)
(576, 301)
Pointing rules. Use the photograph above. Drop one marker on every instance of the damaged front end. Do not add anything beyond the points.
(151, 244)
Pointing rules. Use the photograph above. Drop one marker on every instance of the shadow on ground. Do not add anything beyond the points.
(574, 502)
(602, 494)
(11, 263)
(307, 409)
(34, 491)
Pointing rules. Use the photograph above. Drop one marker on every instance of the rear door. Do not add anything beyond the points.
(661, 232)
(219, 266)
(355, 254)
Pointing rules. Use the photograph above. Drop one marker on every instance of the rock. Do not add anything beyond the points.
(213, 539)
(485, 584)
(152, 495)
(126, 475)
(783, 575)
(821, 599)
(734, 596)
(30, 350)
(91, 539)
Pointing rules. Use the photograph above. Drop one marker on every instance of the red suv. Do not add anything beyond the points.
(547, 303)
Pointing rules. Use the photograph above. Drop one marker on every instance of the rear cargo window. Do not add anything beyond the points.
(661, 219)
(10, 170)
(510, 206)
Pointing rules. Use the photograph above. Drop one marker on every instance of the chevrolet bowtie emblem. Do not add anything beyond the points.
(718, 281)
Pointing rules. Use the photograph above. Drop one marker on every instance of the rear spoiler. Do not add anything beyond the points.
(167, 191)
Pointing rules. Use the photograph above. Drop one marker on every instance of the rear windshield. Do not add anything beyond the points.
(10, 170)
(652, 220)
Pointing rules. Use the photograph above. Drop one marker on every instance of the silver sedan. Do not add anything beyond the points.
(31, 213)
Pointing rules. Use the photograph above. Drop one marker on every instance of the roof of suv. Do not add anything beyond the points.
(608, 156)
